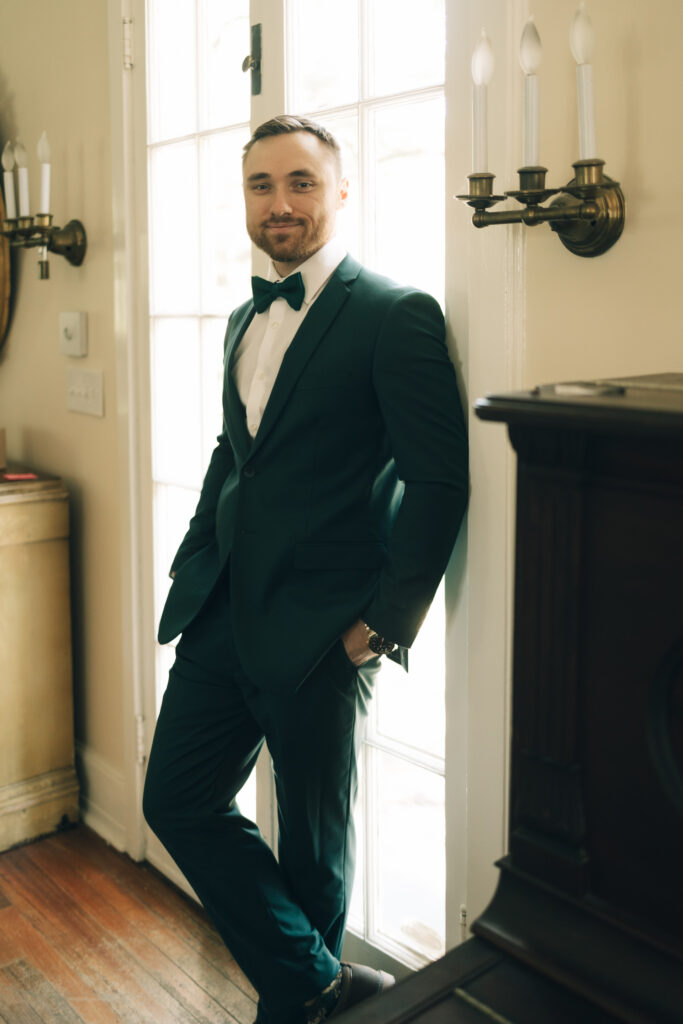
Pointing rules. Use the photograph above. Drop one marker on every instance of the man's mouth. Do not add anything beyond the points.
(283, 225)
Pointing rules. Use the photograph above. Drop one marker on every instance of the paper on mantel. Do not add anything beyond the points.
(652, 381)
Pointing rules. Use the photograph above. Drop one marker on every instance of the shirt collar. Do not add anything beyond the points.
(317, 269)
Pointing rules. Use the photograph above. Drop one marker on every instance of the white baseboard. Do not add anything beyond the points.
(102, 796)
(157, 856)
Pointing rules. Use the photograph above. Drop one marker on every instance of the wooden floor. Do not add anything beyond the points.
(87, 935)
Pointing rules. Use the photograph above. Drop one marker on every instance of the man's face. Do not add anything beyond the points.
(292, 192)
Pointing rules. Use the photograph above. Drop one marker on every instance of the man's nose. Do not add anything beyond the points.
(280, 204)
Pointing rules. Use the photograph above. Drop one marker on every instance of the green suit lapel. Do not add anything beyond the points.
(315, 325)
(234, 411)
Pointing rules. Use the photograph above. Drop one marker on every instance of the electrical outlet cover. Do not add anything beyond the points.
(73, 334)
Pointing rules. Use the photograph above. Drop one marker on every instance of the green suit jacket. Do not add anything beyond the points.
(348, 500)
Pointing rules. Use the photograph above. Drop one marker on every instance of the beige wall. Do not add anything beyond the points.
(54, 75)
(621, 312)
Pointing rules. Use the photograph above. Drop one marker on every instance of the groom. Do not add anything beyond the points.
(325, 522)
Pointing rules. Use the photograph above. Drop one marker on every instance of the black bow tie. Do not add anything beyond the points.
(265, 292)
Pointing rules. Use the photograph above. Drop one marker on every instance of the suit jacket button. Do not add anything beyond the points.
(249, 471)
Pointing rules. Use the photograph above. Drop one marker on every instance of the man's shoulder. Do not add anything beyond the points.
(385, 293)
(369, 283)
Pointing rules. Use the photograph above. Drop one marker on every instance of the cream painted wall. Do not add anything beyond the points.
(620, 312)
(54, 75)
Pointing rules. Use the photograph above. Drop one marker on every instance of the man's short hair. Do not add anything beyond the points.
(285, 124)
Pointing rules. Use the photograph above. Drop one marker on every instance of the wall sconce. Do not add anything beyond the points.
(587, 213)
(30, 232)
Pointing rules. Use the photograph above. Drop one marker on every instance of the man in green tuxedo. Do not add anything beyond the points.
(325, 522)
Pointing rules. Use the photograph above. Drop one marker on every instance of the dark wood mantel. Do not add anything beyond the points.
(586, 921)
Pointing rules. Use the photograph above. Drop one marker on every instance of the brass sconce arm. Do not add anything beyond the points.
(535, 214)
(39, 232)
(587, 214)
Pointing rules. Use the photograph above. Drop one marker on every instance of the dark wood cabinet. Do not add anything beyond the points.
(585, 924)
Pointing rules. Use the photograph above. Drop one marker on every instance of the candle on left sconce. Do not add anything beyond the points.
(530, 59)
(483, 65)
(22, 171)
(44, 157)
(8, 179)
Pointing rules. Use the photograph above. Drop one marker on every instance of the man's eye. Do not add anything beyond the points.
(302, 186)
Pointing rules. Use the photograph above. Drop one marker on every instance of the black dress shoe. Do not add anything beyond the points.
(358, 983)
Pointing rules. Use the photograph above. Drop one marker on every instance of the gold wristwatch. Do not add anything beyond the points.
(378, 644)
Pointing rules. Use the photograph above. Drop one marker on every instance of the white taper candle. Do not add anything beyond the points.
(8, 178)
(482, 71)
(581, 40)
(44, 157)
(530, 59)
(22, 173)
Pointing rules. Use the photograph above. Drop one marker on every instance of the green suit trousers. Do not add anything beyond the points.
(282, 919)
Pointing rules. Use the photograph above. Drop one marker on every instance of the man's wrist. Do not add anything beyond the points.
(378, 644)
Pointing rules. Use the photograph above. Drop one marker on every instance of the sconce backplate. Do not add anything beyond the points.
(591, 237)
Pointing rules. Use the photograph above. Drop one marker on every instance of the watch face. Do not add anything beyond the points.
(378, 645)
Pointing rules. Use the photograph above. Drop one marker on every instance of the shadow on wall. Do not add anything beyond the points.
(8, 130)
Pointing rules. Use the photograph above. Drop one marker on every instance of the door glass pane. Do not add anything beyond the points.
(410, 713)
(344, 127)
(174, 231)
(173, 507)
(225, 244)
(408, 142)
(411, 850)
(213, 335)
(176, 402)
(356, 919)
(407, 45)
(165, 656)
(172, 92)
(224, 42)
(323, 54)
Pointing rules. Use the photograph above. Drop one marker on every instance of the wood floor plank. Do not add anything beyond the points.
(203, 954)
(39, 994)
(19, 939)
(171, 964)
(177, 909)
(89, 949)
(13, 1007)
(186, 919)
(87, 936)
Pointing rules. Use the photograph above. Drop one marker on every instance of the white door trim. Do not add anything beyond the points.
(129, 188)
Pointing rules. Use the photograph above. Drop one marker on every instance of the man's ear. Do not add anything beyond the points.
(343, 192)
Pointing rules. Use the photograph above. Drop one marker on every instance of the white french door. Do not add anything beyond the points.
(373, 72)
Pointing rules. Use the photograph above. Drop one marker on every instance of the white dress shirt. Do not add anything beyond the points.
(269, 335)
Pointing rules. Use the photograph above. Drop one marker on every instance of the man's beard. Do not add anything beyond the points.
(289, 250)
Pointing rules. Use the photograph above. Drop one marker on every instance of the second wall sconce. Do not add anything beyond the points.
(588, 213)
(30, 232)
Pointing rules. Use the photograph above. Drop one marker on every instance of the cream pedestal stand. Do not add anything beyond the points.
(38, 784)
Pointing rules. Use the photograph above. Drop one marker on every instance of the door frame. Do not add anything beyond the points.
(485, 302)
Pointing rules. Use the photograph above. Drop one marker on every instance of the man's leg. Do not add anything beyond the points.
(312, 736)
(205, 745)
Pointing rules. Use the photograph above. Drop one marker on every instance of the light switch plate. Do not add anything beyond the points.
(73, 334)
(85, 391)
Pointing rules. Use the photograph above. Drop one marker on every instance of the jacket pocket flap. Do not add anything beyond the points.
(338, 556)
